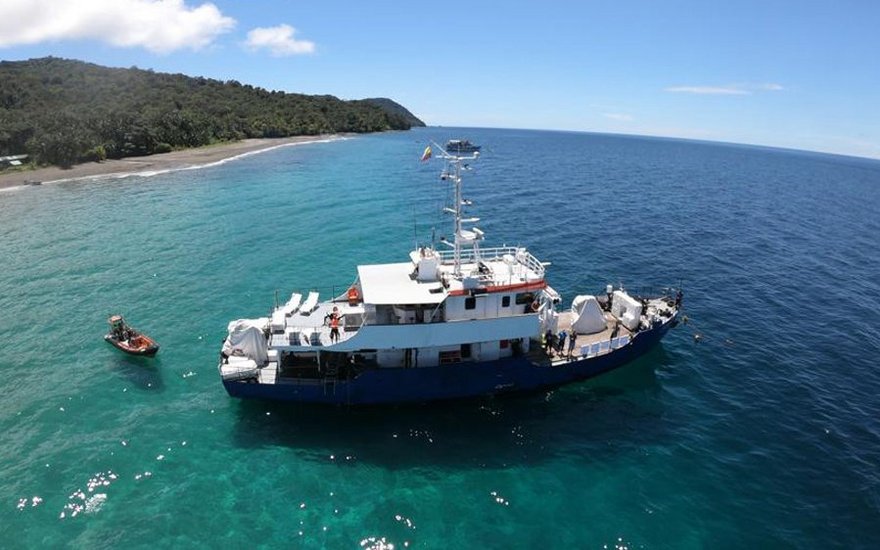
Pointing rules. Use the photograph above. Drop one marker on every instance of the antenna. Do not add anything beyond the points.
(455, 163)
(415, 229)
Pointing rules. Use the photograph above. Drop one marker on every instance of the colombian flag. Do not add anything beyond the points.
(427, 154)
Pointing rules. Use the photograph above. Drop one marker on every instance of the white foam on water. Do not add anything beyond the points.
(15, 188)
(95, 502)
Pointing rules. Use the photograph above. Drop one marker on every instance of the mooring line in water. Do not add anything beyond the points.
(699, 336)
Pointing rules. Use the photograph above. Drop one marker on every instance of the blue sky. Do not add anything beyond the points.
(803, 75)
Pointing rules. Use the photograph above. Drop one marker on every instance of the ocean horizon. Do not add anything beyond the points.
(764, 433)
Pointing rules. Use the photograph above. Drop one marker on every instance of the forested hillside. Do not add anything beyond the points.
(396, 109)
(62, 111)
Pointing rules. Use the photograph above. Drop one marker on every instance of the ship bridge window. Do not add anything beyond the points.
(525, 298)
(505, 301)
(470, 303)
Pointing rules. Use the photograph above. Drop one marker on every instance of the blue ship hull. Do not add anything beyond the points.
(463, 380)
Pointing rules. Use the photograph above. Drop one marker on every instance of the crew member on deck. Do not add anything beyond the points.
(560, 342)
(333, 316)
(572, 339)
(549, 342)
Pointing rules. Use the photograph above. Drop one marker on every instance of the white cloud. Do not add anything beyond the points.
(708, 90)
(278, 40)
(735, 89)
(618, 116)
(161, 26)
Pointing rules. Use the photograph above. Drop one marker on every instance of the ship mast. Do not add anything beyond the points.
(455, 164)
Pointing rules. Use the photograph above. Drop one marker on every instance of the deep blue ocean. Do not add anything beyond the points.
(764, 434)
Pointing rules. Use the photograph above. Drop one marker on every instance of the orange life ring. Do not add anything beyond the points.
(536, 306)
(353, 297)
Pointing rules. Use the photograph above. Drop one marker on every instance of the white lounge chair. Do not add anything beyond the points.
(293, 304)
(310, 304)
(279, 322)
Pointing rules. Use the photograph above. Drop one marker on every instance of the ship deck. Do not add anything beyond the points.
(595, 344)
(309, 329)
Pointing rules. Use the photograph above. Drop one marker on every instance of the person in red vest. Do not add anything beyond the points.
(333, 318)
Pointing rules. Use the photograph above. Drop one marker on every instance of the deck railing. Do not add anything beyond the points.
(520, 255)
(310, 336)
(647, 291)
(336, 293)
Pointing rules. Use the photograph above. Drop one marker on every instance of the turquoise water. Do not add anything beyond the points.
(765, 434)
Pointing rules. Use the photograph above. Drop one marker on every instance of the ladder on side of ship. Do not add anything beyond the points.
(331, 375)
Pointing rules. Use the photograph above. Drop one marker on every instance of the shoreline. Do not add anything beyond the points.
(150, 165)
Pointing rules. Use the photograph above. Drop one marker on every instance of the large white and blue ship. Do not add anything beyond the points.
(466, 321)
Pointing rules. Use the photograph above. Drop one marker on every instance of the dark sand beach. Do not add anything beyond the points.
(162, 162)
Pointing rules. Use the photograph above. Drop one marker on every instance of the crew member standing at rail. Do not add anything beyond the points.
(334, 325)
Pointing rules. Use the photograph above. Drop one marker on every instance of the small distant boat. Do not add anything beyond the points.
(127, 339)
(461, 146)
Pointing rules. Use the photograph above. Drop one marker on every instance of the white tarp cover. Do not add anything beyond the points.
(586, 315)
(626, 308)
(246, 337)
